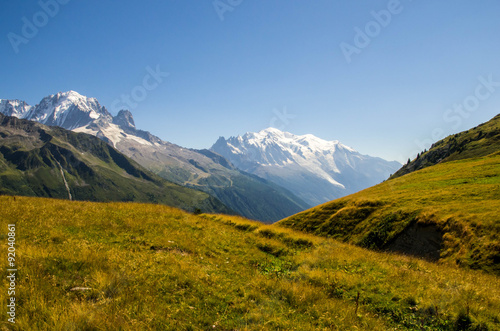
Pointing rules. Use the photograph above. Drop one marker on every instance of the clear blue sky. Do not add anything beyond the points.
(230, 76)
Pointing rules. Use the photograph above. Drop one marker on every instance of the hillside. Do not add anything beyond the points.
(446, 212)
(127, 266)
(480, 141)
(42, 161)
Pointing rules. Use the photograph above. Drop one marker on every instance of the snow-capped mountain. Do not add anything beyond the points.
(73, 111)
(248, 195)
(68, 110)
(314, 169)
(14, 108)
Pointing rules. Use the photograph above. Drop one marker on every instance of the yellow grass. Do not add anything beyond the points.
(125, 266)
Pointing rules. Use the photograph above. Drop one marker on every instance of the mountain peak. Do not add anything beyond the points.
(314, 169)
(271, 130)
(71, 96)
(124, 119)
(16, 108)
(68, 110)
(70, 93)
(266, 135)
(312, 142)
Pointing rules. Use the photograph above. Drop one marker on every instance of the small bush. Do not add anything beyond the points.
(463, 321)
(267, 233)
(411, 301)
(298, 243)
(272, 250)
(246, 227)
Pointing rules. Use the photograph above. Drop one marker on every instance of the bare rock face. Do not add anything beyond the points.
(124, 119)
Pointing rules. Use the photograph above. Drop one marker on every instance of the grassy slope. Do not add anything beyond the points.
(461, 198)
(480, 141)
(153, 267)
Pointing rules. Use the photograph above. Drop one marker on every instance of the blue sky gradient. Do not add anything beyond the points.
(266, 63)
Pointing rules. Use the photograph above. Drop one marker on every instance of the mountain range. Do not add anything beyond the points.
(314, 169)
(246, 194)
(265, 176)
(49, 161)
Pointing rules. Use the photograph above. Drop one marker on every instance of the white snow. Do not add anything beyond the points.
(56, 108)
(273, 147)
(314, 169)
(20, 108)
(113, 133)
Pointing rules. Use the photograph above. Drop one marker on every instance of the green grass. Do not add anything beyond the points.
(460, 198)
(151, 267)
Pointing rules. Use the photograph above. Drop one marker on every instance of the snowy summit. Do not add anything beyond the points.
(314, 169)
